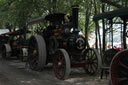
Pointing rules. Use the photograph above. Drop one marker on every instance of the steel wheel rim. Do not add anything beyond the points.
(119, 68)
(93, 63)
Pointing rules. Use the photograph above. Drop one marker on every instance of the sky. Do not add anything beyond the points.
(3, 31)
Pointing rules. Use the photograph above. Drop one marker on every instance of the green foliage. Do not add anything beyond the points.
(18, 12)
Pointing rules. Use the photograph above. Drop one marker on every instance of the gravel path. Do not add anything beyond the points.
(13, 72)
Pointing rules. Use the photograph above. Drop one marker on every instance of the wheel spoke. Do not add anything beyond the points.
(33, 60)
(34, 65)
(95, 65)
(122, 79)
(123, 65)
(123, 73)
(95, 61)
(92, 70)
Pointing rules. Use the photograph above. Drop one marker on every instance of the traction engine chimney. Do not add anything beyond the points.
(75, 9)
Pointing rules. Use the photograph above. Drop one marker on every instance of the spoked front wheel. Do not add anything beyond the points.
(119, 68)
(61, 64)
(93, 61)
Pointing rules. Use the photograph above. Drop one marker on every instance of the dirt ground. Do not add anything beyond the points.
(13, 72)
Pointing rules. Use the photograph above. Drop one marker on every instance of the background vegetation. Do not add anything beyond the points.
(15, 13)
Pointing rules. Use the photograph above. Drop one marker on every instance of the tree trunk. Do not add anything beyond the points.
(99, 38)
(96, 44)
(103, 38)
(87, 18)
(124, 34)
(86, 27)
(97, 25)
(54, 5)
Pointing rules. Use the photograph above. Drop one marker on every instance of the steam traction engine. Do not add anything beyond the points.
(62, 44)
(14, 46)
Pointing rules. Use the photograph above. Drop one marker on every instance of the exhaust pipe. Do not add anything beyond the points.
(75, 9)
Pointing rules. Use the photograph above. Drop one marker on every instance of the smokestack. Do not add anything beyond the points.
(75, 9)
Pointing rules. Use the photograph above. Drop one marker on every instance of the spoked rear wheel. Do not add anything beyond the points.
(93, 60)
(37, 53)
(61, 64)
(119, 68)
